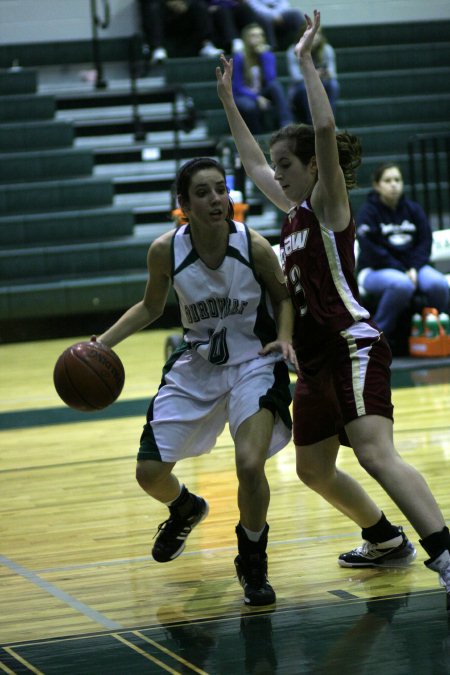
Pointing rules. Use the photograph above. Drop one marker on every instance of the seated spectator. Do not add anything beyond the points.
(281, 22)
(395, 240)
(255, 85)
(325, 61)
(176, 28)
(229, 18)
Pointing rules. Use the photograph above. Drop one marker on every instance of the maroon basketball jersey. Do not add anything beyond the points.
(319, 268)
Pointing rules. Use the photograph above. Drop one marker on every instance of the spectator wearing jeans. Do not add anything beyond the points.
(395, 240)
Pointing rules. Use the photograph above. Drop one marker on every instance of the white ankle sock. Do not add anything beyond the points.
(390, 543)
(253, 536)
(173, 500)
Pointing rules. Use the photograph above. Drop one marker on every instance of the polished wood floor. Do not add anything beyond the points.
(76, 533)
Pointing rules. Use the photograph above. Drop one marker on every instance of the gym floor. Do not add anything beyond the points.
(81, 595)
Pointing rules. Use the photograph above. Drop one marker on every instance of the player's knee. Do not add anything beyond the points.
(141, 476)
(249, 471)
(372, 463)
(308, 476)
(312, 475)
(145, 475)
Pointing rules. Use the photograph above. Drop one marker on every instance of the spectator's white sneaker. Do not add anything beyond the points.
(237, 45)
(209, 49)
(159, 55)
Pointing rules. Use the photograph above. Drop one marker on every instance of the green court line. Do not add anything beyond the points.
(42, 417)
(402, 371)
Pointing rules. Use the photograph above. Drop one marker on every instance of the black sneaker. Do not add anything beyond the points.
(384, 554)
(252, 575)
(251, 569)
(172, 533)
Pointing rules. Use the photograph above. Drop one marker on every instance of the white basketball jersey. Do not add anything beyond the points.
(225, 312)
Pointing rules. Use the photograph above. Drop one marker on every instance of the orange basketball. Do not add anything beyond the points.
(88, 376)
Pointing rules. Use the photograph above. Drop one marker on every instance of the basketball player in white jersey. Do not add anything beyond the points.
(343, 392)
(233, 302)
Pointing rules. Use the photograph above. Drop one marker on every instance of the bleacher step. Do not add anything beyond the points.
(41, 197)
(45, 165)
(35, 135)
(138, 153)
(70, 226)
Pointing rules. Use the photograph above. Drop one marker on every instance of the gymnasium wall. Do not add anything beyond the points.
(56, 20)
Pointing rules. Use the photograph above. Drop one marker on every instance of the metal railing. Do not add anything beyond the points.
(429, 172)
(99, 22)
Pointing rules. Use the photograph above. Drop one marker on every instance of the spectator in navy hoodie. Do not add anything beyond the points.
(395, 240)
(255, 85)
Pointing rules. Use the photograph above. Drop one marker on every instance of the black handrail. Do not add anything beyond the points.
(429, 172)
(98, 22)
(139, 131)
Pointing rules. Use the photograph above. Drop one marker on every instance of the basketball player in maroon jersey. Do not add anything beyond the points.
(343, 392)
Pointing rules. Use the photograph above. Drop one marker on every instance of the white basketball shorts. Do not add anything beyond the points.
(196, 399)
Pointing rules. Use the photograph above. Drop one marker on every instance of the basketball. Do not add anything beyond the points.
(88, 376)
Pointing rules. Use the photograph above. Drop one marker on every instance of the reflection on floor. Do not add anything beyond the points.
(414, 372)
(400, 635)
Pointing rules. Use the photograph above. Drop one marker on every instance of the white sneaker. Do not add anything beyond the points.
(159, 55)
(209, 49)
(396, 552)
(441, 565)
(237, 45)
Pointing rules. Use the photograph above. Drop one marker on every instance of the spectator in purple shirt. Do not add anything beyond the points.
(255, 86)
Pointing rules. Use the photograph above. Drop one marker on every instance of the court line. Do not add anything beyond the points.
(39, 417)
(189, 665)
(66, 465)
(201, 551)
(23, 661)
(6, 670)
(304, 607)
(146, 655)
(136, 407)
(61, 595)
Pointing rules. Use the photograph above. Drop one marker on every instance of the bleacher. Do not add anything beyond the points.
(82, 194)
(68, 242)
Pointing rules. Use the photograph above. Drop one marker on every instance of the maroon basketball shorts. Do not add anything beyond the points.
(351, 380)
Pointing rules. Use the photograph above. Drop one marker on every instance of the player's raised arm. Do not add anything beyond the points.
(330, 199)
(252, 157)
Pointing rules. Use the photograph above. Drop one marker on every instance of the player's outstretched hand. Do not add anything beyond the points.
(224, 74)
(304, 45)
